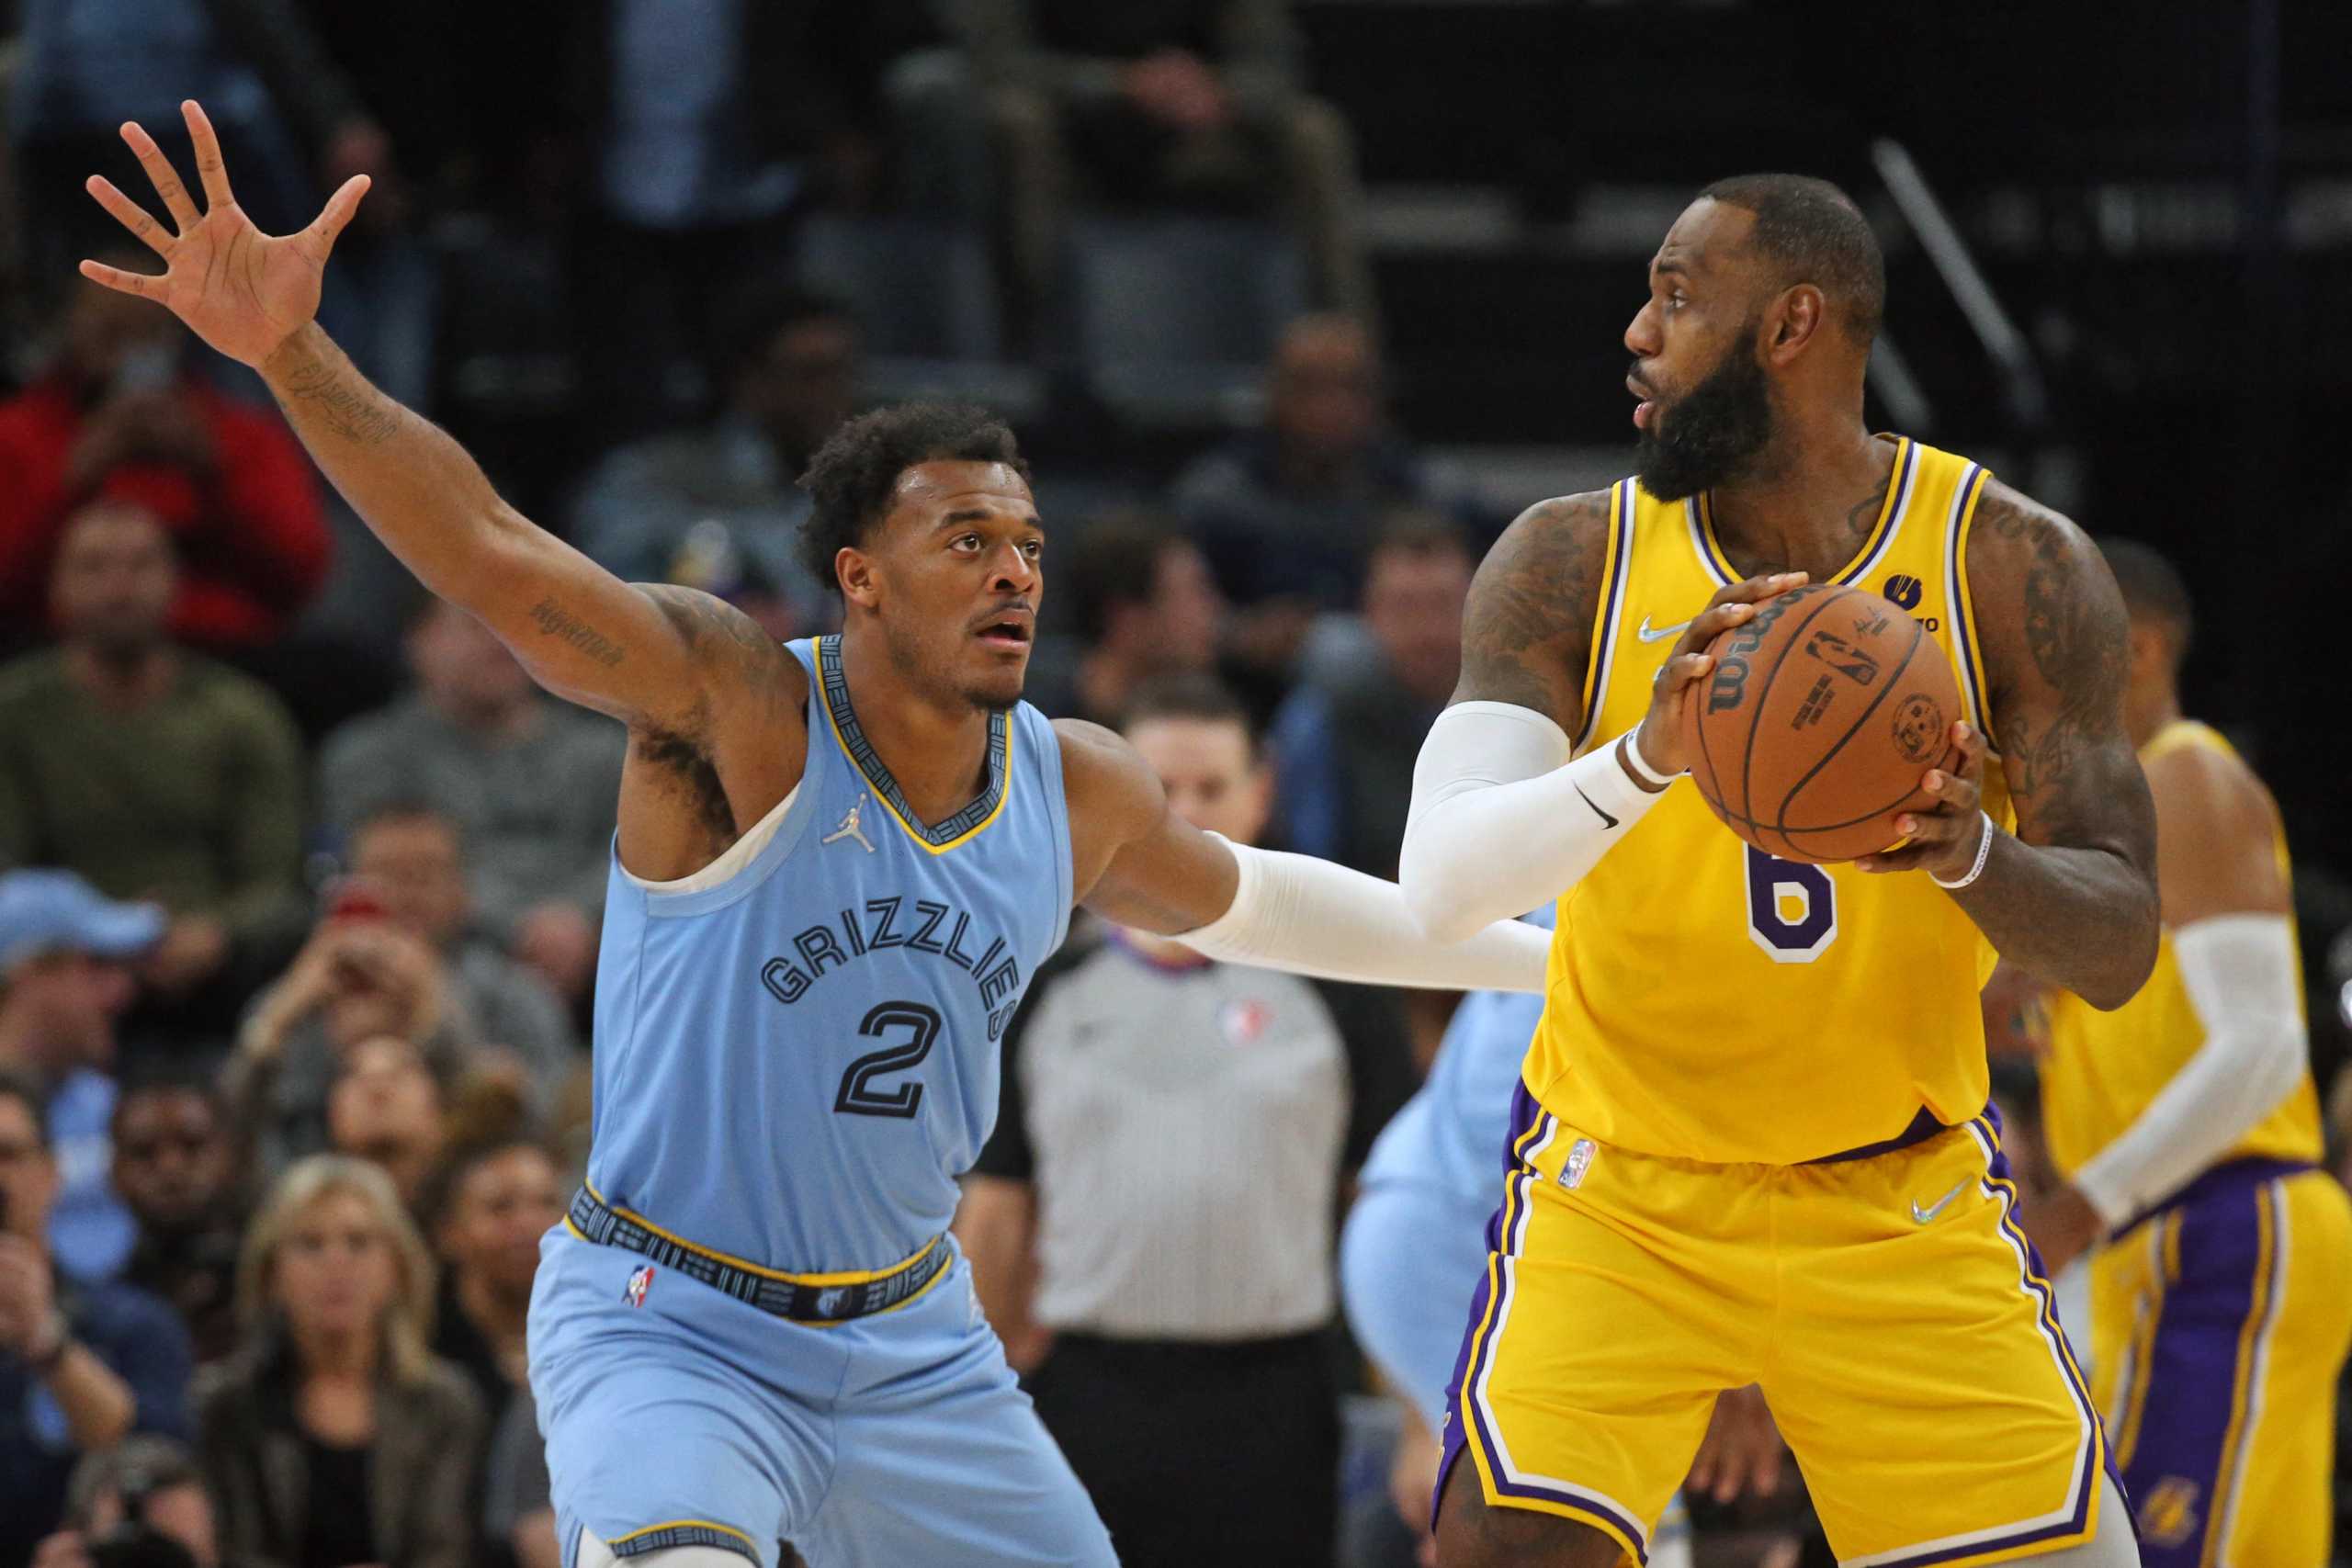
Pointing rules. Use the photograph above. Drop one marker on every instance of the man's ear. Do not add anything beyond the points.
(1799, 314)
(858, 574)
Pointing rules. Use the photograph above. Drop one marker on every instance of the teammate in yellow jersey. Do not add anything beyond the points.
(2189, 1130)
(1752, 1142)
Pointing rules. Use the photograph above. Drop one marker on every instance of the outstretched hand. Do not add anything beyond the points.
(241, 290)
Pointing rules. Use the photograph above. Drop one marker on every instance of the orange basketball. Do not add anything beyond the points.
(1812, 731)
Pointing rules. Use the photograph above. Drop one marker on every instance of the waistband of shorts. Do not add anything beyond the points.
(799, 1298)
(2230, 1176)
(1923, 1127)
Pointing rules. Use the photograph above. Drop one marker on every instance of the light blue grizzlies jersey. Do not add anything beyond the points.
(797, 1048)
(1450, 1133)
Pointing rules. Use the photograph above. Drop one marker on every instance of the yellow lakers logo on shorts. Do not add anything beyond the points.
(2169, 1516)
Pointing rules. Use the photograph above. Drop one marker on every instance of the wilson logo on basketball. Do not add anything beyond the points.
(1903, 590)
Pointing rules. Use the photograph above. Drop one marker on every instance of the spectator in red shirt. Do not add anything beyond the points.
(119, 415)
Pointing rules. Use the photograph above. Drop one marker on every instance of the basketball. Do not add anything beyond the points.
(1813, 729)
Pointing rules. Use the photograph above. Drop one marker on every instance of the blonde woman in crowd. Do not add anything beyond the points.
(333, 1437)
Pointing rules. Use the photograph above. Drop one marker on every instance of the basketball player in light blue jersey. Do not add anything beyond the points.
(838, 864)
(1415, 1245)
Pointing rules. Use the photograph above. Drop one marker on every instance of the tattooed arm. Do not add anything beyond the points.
(582, 632)
(636, 654)
(1527, 630)
(2072, 895)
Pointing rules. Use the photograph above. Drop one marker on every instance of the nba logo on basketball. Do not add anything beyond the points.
(639, 1283)
(1903, 590)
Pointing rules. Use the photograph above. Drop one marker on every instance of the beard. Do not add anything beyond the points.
(1711, 433)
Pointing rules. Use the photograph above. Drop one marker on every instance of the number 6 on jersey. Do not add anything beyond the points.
(1773, 886)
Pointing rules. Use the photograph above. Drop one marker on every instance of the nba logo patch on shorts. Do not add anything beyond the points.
(1580, 1160)
(639, 1283)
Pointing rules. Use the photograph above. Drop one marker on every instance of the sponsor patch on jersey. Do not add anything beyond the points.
(639, 1283)
(1903, 590)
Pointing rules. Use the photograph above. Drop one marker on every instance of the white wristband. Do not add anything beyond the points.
(1639, 764)
(1984, 853)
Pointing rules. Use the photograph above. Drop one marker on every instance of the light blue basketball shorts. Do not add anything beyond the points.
(676, 1416)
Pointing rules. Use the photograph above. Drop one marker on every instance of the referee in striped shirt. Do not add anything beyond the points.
(1151, 1226)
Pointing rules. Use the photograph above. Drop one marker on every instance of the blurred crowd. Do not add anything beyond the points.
(300, 876)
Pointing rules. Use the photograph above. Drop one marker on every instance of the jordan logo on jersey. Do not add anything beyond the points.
(850, 829)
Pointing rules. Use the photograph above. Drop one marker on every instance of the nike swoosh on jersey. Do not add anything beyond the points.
(1661, 634)
(1605, 817)
(1921, 1216)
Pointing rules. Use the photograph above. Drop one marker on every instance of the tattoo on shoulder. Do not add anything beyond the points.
(561, 624)
(352, 409)
(707, 623)
(1532, 599)
(2072, 631)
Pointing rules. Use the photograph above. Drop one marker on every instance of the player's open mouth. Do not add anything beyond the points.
(1644, 409)
(1007, 631)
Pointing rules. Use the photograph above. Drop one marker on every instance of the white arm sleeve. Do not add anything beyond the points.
(2240, 973)
(1502, 821)
(1311, 917)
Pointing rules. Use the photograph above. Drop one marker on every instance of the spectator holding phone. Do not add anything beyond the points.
(143, 1500)
(82, 1366)
(359, 976)
(120, 416)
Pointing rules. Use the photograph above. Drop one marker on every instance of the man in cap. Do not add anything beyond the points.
(65, 957)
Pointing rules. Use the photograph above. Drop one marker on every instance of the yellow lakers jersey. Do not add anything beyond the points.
(2104, 1068)
(1708, 1001)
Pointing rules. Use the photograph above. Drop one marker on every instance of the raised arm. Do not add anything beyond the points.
(2072, 895)
(1502, 820)
(1139, 864)
(582, 633)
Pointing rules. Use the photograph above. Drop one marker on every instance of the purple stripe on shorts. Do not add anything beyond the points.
(2194, 1392)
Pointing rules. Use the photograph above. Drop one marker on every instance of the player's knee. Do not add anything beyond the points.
(1472, 1534)
(595, 1553)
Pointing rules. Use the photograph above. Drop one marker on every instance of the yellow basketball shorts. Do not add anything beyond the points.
(1889, 1306)
(2217, 1326)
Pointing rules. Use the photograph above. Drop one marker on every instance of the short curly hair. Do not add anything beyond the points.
(851, 476)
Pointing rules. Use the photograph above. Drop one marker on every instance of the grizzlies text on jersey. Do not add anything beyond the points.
(797, 1047)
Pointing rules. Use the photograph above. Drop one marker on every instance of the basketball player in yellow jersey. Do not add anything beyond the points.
(1752, 1142)
(2189, 1131)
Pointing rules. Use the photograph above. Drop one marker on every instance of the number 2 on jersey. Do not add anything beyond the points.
(1792, 907)
(859, 1095)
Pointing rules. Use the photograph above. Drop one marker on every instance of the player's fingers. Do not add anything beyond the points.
(337, 212)
(159, 172)
(208, 166)
(130, 215)
(1970, 741)
(1906, 858)
(140, 283)
(1957, 790)
(1754, 590)
(1681, 671)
